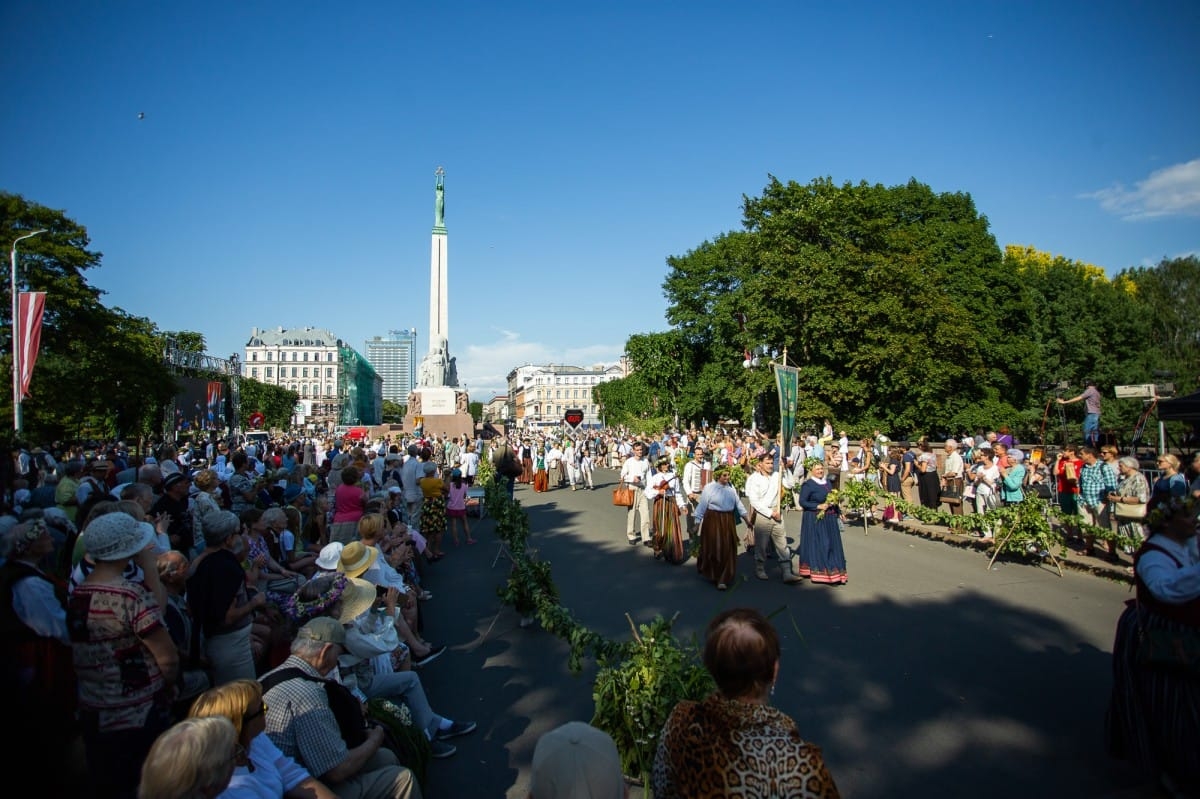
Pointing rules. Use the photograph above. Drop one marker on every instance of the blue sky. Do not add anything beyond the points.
(283, 172)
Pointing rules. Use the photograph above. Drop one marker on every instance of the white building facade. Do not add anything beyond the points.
(538, 396)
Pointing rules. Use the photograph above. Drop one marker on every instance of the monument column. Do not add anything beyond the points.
(439, 320)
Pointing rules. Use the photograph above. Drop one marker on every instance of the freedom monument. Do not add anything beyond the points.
(437, 406)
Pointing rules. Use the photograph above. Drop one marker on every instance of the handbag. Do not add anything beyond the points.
(623, 495)
(950, 497)
(1168, 650)
(283, 585)
(1133, 512)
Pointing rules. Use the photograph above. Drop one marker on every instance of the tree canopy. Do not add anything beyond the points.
(99, 371)
(902, 313)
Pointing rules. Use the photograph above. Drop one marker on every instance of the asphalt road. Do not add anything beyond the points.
(927, 675)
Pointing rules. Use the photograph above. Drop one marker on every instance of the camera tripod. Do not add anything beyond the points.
(1062, 421)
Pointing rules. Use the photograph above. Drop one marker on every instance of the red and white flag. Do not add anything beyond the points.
(30, 305)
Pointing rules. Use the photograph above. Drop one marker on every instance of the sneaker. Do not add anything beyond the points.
(456, 729)
(721, 586)
(435, 652)
(439, 749)
(633, 542)
(760, 572)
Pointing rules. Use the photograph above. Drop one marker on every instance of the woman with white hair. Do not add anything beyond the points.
(1130, 498)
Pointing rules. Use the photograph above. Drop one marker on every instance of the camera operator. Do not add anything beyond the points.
(1091, 409)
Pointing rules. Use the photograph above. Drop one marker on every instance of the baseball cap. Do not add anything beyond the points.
(323, 629)
(577, 761)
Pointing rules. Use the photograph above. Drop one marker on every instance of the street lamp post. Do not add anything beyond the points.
(16, 347)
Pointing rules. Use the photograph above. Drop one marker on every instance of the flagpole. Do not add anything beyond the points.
(16, 345)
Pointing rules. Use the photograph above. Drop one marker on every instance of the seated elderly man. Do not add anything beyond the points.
(336, 747)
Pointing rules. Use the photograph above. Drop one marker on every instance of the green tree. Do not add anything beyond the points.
(663, 362)
(891, 300)
(476, 410)
(99, 371)
(393, 412)
(275, 403)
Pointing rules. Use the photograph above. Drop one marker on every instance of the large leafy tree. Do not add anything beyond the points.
(99, 371)
(891, 300)
(275, 403)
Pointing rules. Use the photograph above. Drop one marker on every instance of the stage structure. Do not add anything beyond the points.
(208, 400)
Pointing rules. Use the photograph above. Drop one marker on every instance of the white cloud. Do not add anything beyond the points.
(1171, 191)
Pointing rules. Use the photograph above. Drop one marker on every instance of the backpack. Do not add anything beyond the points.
(344, 704)
(507, 464)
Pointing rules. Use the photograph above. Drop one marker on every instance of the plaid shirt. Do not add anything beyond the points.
(300, 722)
(1095, 483)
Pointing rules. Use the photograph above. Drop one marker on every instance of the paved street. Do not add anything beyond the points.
(927, 675)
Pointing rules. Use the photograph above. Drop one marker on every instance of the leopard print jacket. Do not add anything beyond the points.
(723, 748)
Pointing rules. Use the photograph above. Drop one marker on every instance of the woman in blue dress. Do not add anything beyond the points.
(822, 558)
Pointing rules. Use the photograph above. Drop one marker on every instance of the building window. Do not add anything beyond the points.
(329, 356)
(254, 356)
(293, 373)
(329, 371)
(328, 391)
(269, 355)
(270, 372)
(305, 356)
(305, 372)
(254, 371)
(304, 390)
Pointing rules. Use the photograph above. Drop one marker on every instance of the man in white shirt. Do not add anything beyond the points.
(554, 465)
(410, 476)
(635, 472)
(952, 473)
(696, 474)
(762, 492)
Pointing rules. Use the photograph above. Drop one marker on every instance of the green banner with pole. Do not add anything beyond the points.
(787, 380)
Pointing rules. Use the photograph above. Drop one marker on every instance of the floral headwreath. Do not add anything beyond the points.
(1170, 508)
(300, 611)
(22, 540)
(811, 462)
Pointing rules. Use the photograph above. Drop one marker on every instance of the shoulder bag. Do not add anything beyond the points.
(1130, 511)
(623, 495)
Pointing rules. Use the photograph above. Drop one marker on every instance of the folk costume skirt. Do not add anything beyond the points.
(718, 547)
(822, 558)
(668, 533)
(1153, 715)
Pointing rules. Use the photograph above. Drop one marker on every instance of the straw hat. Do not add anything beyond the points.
(356, 558)
(357, 599)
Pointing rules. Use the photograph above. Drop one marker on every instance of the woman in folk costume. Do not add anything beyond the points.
(541, 477)
(822, 558)
(667, 504)
(717, 515)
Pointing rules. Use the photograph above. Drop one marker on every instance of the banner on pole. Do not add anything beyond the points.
(30, 305)
(787, 379)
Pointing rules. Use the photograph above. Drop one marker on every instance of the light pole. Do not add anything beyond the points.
(16, 347)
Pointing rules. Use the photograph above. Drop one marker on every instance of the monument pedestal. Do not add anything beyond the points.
(439, 411)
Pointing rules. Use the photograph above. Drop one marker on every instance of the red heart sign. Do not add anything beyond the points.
(573, 417)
